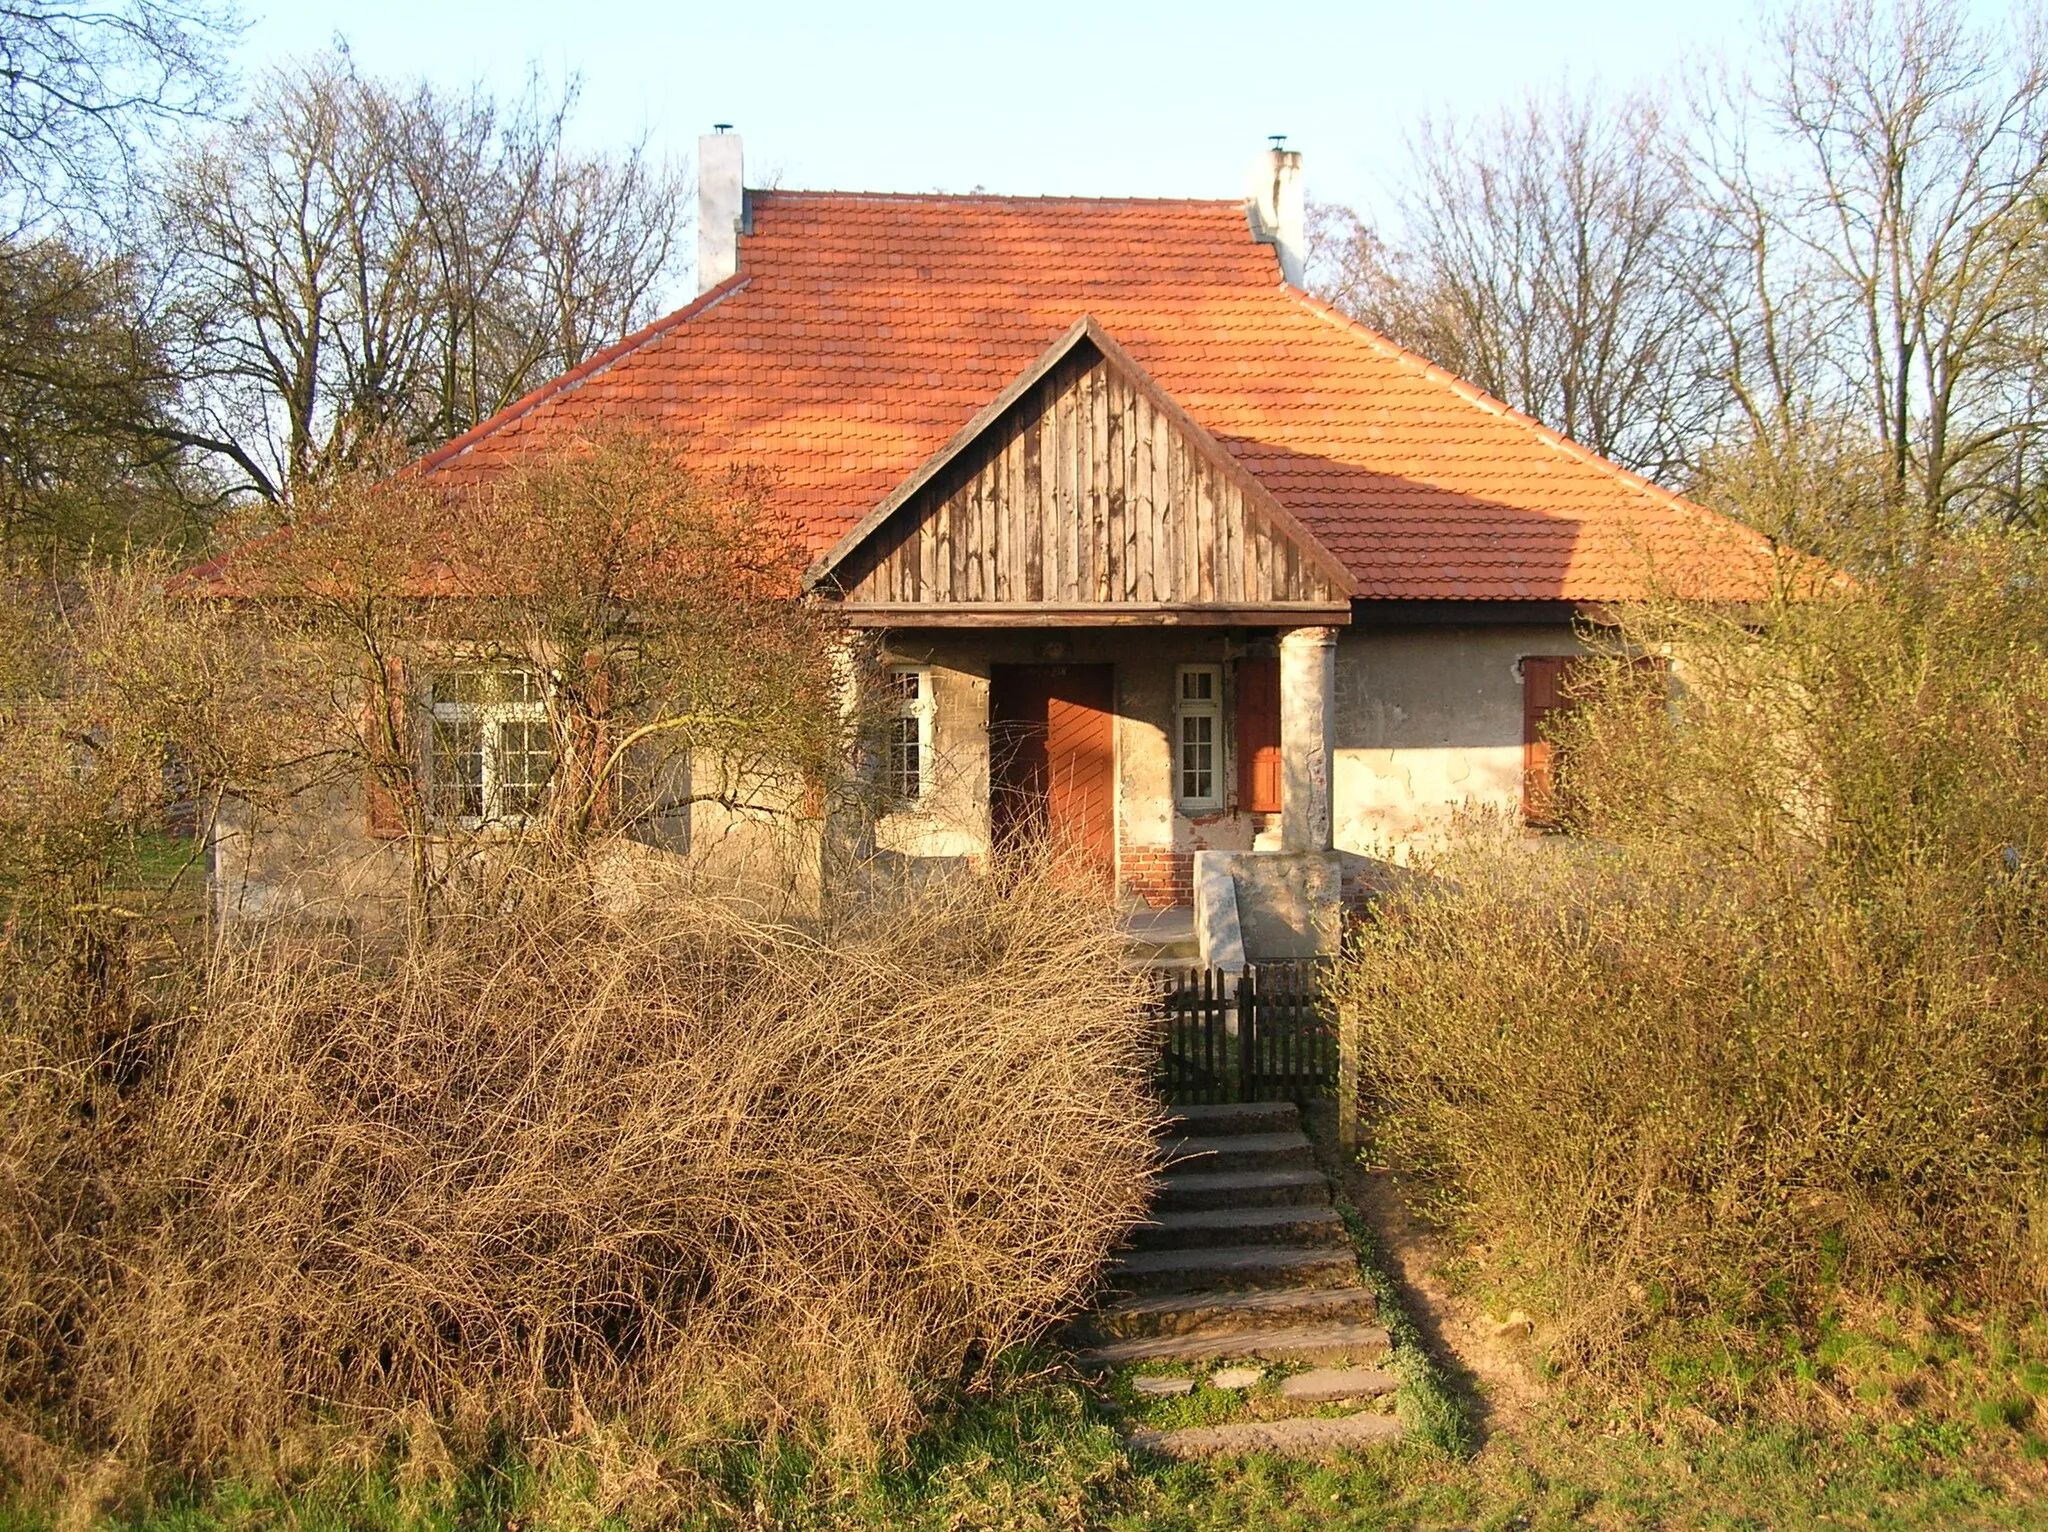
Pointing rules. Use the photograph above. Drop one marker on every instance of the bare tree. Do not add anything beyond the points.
(1879, 197)
(79, 82)
(358, 265)
(1546, 254)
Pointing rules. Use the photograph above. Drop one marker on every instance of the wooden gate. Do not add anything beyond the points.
(1270, 1035)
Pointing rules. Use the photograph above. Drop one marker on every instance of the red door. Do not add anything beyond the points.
(1052, 764)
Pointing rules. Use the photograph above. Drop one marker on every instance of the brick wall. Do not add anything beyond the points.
(1159, 875)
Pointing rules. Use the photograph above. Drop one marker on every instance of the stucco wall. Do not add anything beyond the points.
(1429, 720)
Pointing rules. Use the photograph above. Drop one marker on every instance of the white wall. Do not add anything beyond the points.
(1429, 720)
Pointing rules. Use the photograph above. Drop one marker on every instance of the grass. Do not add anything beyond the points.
(1043, 1450)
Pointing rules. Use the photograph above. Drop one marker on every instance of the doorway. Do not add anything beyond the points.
(1052, 765)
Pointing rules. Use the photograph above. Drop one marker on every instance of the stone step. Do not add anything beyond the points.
(1332, 1385)
(1225, 1152)
(1234, 1267)
(1214, 1313)
(1322, 1345)
(1304, 1437)
(1286, 1225)
(1189, 1189)
(1234, 1117)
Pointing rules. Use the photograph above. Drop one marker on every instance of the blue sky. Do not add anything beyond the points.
(1060, 96)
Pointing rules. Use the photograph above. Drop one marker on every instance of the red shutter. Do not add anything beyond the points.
(386, 777)
(1543, 694)
(1258, 736)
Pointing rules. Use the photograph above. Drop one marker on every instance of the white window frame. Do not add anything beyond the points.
(491, 718)
(923, 711)
(1186, 708)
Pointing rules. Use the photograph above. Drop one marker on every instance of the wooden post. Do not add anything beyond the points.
(1349, 1134)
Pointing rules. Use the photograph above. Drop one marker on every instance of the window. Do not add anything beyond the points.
(492, 753)
(907, 769)
(1198, 737)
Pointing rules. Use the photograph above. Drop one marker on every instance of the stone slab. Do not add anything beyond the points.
(1302, 1437)
(1163, 1388)
(1326, 1343)
(1327, 1385)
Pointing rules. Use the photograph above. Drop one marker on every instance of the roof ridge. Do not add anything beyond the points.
(1557, 441)
(566, 382)
(990, 196)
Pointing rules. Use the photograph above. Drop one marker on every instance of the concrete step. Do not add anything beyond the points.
(1286, 1225)
(1333, 1385)
(1305, 1437)
(1326, 1345)
(1234, 1117)
(1214, 1313)
(1234, 1267)
(1222, 1153)
(1187, 1190)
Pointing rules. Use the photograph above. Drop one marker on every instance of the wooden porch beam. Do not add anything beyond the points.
(1124, 614)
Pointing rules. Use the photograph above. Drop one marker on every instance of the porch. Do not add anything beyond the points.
(1130, 749)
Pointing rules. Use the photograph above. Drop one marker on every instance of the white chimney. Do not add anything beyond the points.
(719, 207)
(1275, 207)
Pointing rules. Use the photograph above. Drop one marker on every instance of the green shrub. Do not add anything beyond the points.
(1770, 1025)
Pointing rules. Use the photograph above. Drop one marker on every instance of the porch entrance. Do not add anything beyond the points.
(1052, 764)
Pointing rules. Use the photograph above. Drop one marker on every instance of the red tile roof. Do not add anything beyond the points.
(862, 331)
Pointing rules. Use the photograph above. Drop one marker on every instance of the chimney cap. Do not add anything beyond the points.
(721, 127)
(1277, 140)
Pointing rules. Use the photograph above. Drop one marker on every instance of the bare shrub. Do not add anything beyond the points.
(1772, 1027)
(556, 1173)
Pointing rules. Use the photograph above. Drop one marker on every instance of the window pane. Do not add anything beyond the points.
(486, 688)
(906, 764)
(457, 772)
(1198, 686)
(461, 688)
(906, 686)
(526, 759)
(1198, 756)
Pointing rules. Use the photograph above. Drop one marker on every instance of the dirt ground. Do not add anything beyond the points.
(1483, 1356)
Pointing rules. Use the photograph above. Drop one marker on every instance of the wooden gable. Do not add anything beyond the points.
(1083, 494)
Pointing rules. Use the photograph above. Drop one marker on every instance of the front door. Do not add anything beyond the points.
(1052, 764)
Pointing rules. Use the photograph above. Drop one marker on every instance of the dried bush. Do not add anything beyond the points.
(677, 1174)
(1773, 1026)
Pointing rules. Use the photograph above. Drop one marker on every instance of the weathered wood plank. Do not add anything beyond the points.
(1089, 492)
(1145, 509)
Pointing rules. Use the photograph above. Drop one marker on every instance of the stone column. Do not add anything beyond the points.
(851, 800)
(1308, 737)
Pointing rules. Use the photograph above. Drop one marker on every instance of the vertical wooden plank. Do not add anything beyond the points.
(1229, 541)
(1094, 429)
(1133, 511)
(1031, 505)
(1141, 496)
(1205, 535)
(1262, 564)
(998, 497)
(1249, 1008)
(1073, 451)
(927, 554)
(1166, 472)
(1116, 569)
